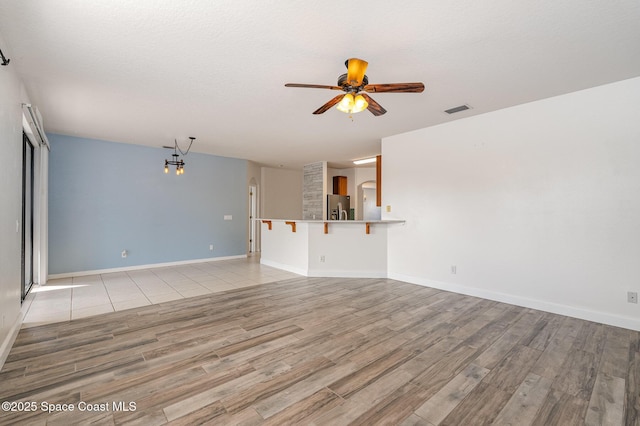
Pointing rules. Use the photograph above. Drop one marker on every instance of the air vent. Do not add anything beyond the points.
(457, 109)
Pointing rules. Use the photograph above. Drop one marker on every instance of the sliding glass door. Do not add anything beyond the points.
(27, 216)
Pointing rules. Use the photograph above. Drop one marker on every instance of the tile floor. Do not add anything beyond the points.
(71, 298)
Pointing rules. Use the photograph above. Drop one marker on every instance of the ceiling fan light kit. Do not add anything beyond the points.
(352, 105)
(354, 82)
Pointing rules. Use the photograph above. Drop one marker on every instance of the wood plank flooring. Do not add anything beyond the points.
(325, 352)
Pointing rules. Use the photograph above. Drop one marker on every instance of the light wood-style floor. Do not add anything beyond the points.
(327, 352)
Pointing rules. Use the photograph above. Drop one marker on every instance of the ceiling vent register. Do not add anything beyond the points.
(457, 109)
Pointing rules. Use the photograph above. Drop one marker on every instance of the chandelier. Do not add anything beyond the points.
(177, 161)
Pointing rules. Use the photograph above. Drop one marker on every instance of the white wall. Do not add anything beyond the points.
(536, 205)
(281, 196)
(365, 174)
(284, 249)
(11, 100)
(369, 209)
(348, 251)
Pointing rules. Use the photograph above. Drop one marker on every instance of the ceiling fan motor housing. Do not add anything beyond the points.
(342, 82)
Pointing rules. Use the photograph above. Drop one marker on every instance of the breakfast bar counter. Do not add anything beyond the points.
(326, 248)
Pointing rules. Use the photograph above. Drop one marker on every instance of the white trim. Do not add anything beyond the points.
(41, 215)
(542, 305)
(6, 346)
(139, 267)
(338, 273)
(34, 119)
(282, 266)
(31, 128)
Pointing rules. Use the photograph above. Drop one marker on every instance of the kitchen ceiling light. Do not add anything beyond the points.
(365, 161)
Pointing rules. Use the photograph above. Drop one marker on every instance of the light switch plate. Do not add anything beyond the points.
(228, 217)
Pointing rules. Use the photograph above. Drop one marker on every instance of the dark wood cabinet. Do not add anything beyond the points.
(340, 185)
(378, 180)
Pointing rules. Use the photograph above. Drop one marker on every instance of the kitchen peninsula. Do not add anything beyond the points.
(327, 248)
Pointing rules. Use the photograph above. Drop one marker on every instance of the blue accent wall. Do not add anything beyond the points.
(106, 197)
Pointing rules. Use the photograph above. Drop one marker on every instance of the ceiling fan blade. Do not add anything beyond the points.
(325, 107)
(355, 71)
(374, 107)
(395, 87)
(313, 86)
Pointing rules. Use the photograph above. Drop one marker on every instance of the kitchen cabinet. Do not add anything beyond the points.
(378, 180)
(340, 185)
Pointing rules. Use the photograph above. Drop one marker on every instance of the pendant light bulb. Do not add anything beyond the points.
(346, 104)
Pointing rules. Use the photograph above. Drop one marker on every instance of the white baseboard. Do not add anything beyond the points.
(138, 267)
(284, 267)
(542, 305)
(338, 273)
(7, 344)
(345, 274)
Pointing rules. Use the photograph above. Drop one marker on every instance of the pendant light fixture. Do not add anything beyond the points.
(177, 161)
(5, 61)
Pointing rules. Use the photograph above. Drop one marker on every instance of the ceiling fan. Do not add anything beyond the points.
(353, 83)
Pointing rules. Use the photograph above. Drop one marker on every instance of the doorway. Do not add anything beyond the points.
(367, 201)
(253, 214)
(27, 216)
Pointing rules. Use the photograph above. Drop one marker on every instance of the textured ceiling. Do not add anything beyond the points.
(148, 71)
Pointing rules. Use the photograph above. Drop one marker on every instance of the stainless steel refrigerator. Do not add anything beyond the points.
(338, 207)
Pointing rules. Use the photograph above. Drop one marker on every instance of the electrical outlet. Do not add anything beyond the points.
(124, 254)
(388, 209)
(322, 259)
(211, 247)
(454, 269)
(632, 297)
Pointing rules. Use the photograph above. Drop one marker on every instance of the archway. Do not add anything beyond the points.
(367, 209)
